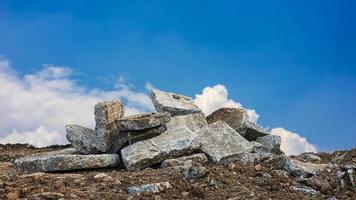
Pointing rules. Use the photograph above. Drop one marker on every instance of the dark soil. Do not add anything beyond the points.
(233, 181)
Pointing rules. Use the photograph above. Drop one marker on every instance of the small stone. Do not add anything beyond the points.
(281, 173)
(258, 167)
(302, 169)
(309, 157)
(231, 166)
(157, 197)
(193, 170)
(238, 119)
(307, 190)
(142, 121)
(101, 176)
(82, 139)
(174, 104)
(271, 142)
(185, 194)
(152, 188)
(222, 144)
(106, 130)
(12, 196)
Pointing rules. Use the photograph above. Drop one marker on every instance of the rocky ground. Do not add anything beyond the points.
(265, 180)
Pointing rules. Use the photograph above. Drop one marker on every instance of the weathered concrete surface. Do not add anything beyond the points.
(152, 188)
(106, 130)
(237, 119)
(82, 139)
(155, 150)
(222, 144)
(64, 162)
(194, 121)
(271, 142)
(181, 161)
(174, 104)
(302, 169)
(142, 121)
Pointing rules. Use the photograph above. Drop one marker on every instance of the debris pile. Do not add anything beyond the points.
(178, 137)
(178, 128)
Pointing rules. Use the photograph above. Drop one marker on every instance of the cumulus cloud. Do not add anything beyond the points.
(293, 143)
(213, 98)
(35, 107)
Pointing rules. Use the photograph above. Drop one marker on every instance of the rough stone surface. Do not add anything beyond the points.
(82, 139)
(272, 142)
(174, 104)
(64, 162)
(194, 122)
(222, 144)
(136, 136)
(142, 121)
(176, 162)
(190, 166)
(237, 119)
(258, 147)
(309, 156)
(302, 169)
(155, 150)
(193, 170)
(106, 130)
(152, 188)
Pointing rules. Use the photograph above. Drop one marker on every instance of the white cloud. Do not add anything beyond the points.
(213, 98)
(39, 137)
(293, 143)
(39, 105)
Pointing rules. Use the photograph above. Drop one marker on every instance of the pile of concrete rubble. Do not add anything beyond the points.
(177, 135)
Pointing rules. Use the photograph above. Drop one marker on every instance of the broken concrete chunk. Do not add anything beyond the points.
(181, 161)
(302, 169)
(237, 119)
(106, 130)
(142, 121)
(155, 150)
(65, 162)
(272, 142)
(222, 144)
(194, 121)
(174, 104)
(82, 139)
(152, 187)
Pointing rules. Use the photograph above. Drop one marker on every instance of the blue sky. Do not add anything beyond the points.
(294, 62)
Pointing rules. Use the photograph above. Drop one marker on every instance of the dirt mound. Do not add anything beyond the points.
(265, 180)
